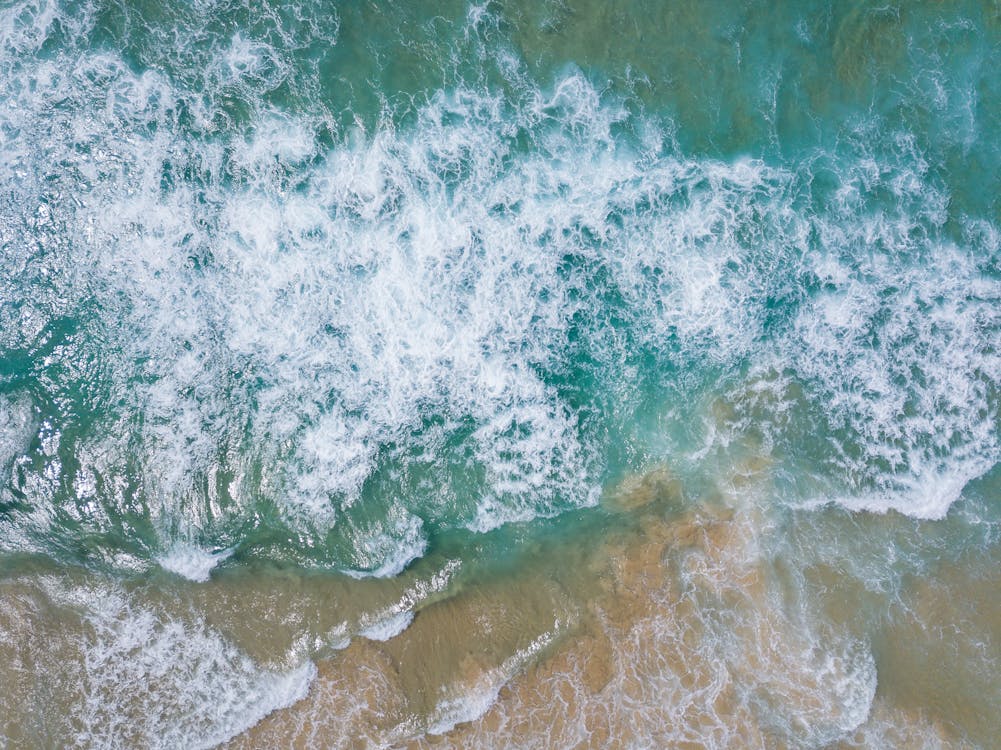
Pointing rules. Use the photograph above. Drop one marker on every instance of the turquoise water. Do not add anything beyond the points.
(338, 287)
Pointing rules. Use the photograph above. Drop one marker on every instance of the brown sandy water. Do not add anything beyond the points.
(675, 630)
(672, 622)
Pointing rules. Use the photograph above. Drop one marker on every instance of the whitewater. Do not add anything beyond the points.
(368, 372)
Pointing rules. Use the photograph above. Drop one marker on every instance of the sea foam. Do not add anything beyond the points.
(127, 671)
(191, 562)
(382, 334)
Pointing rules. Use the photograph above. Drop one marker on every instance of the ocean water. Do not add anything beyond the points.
(504, 374)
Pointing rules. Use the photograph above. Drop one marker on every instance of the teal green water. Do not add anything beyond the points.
(338, 286)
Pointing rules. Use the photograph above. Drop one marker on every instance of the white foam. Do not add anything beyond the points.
(191, 561)
(390, 627)
(154, 678)
(385, 551)
(904, 361)
(470, 702)
(390, 622)
(306, 314)
(17, 427)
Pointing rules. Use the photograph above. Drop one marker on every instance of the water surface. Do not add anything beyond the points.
(405, 373)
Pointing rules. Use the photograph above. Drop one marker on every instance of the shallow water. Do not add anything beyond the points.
(564, 373)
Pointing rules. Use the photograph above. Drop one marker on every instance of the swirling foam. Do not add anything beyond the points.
(375, 336)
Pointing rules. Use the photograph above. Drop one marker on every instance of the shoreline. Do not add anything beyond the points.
(656, 619)
(675, 630)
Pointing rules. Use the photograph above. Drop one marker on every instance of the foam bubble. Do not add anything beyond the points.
(383, 630)
(124, 671)
(191, 561)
